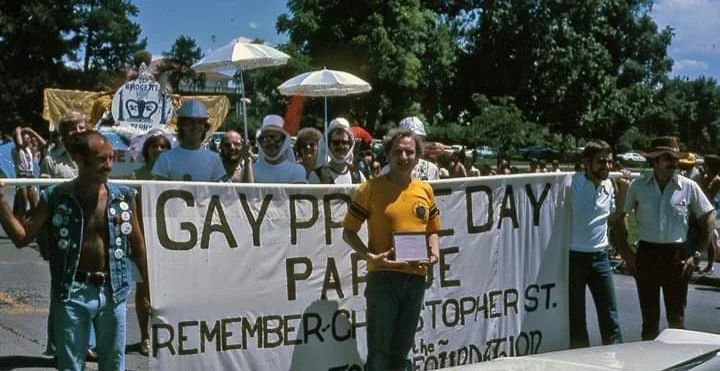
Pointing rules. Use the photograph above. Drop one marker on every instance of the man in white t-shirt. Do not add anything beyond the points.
(276, 161)
(338, 171)
(593, 203)
(190, 161)
(424, 170)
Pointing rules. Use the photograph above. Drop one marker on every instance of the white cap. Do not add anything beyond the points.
(340, 122)
(272, 121)
(413, 124)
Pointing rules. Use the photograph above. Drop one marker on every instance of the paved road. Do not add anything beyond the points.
(24, 293)
(24, 290)
(703, 313)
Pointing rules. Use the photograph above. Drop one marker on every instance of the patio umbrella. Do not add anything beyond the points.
(241, 54)
(324, 83)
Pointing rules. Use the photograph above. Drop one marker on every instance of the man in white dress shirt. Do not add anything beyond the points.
(663, 201)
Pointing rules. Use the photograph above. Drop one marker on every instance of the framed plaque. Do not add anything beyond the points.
(411, 246)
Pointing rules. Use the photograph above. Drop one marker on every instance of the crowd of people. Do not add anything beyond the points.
(89, 229)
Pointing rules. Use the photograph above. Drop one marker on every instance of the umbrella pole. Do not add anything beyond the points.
(244, 107)
(237, 102)
(326, 124)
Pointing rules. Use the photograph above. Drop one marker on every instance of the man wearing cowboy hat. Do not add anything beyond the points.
(276, 161)
(663, 201)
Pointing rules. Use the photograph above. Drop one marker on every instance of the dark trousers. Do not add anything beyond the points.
(592, 270)
(659, 266)
(394, 301)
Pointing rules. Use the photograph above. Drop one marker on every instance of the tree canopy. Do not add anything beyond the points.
(504, 73)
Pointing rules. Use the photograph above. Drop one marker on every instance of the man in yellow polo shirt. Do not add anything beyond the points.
(393, 203)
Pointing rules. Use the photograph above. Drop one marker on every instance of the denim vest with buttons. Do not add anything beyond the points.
(66, 237)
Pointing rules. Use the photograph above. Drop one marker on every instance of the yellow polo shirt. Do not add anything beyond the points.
(389, 208)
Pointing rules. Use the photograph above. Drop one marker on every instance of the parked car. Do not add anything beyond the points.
(484, 152)
(540, 152)
(631, 156)
(672, 350)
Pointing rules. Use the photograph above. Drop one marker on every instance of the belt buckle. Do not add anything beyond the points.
(97, 278)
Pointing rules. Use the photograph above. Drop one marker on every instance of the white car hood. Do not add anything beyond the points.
(670, 348)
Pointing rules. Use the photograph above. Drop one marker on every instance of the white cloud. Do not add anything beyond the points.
(253, 25)
(696, 24)
(689, 64)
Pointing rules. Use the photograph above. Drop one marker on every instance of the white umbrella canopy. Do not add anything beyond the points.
(241, 54)
(324, 83)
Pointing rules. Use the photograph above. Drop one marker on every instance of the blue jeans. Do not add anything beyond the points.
(592, 270)
(89, 305)
(50, 347)
(394, 301)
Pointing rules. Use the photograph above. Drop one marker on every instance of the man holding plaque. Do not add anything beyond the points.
(403, 221)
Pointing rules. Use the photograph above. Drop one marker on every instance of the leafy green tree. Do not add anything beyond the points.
(383, 42)
(32, 49)
(178, 63)
(690, 110)
(108, 36)
(563, 62)
(500, 124)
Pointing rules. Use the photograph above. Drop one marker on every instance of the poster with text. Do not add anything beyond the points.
(258, 277)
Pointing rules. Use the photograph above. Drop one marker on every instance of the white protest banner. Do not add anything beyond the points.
(257, 277)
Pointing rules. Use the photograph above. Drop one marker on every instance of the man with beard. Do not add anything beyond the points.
(339, 170)
(592, 199)
(663, 201)
(60, 164)
(93, 231)
(236, 158)
(190, 161)
(276, 161)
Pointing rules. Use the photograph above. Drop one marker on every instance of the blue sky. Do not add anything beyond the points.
(695, 47)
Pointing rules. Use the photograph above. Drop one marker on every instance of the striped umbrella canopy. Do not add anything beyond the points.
(241, 54)
(324, 83)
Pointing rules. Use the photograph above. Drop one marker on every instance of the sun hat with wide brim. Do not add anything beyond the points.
(689, 160)
(664, 145)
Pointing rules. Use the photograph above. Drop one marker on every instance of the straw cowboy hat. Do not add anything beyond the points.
(689, 160)
(664, 145)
